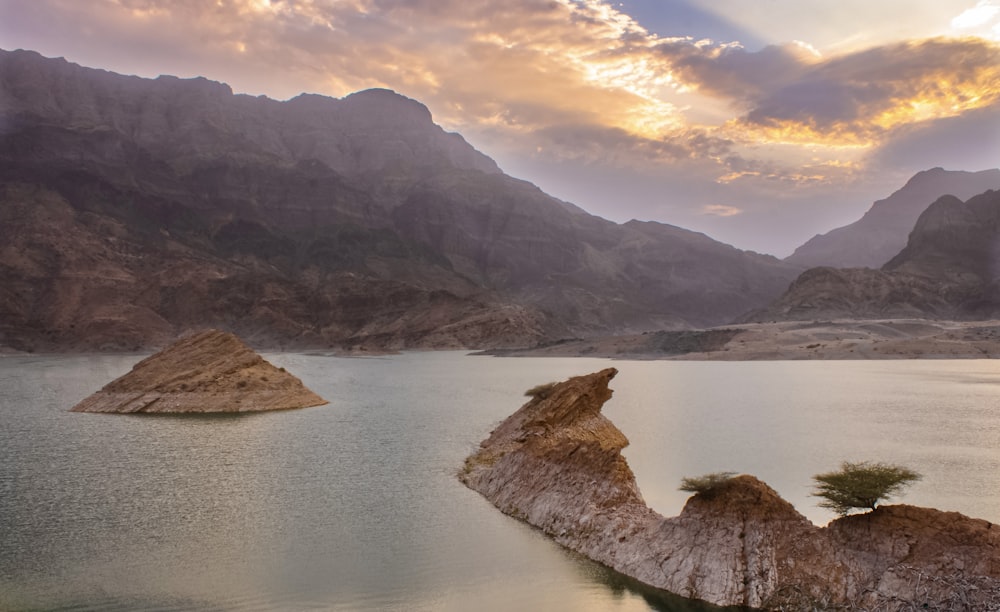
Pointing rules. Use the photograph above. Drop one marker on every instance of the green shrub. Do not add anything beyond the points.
(540, 391)
(707, 483)
(861, 485)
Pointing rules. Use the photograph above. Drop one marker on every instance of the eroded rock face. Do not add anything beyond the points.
(210, 371)
(556, 463)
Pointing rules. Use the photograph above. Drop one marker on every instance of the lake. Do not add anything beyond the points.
(355, 505)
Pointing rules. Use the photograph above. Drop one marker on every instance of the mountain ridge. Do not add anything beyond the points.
(882, 231)
(949, 269)
(355, 223)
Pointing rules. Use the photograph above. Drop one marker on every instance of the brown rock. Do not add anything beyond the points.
(210, 371)
(556, 463)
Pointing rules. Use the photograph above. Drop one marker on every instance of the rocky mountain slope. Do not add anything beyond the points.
(136, 208)
(881, 233)
(556, 463)
(949, 269)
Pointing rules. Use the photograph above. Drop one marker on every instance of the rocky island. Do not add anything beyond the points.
(556, 463)
(209, 371)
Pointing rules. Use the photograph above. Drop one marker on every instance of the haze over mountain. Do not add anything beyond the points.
(881, 233)
(759, 127)
(136, 208)
(949, 269)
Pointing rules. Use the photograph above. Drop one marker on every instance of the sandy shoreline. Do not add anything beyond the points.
(792, 340)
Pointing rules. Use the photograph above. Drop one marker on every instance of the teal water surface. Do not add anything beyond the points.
(355, 505)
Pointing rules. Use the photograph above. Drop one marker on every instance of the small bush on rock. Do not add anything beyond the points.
(540, 391)
(707, 483)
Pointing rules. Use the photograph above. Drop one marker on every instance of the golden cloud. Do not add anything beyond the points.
(859, 99)
(576, 79)
(721, 210)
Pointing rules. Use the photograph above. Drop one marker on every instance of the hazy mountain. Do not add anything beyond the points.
(882, 232)
(134, 208)
(949, 269)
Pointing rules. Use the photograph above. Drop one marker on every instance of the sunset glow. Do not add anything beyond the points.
(543, 85)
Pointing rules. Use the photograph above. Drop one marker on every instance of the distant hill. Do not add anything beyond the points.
(133, 209)
(881, 233)
(949, 269)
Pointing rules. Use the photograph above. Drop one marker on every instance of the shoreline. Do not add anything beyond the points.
(838, 339)
(789, 340)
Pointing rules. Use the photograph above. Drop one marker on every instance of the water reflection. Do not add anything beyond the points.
(623, 588)
(785, 421)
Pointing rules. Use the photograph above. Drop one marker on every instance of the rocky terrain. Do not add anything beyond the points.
(133, 209)
(881, 233)
(556, 463)
(209, 371)
(790, 340)
(936, 298)
(948, 270)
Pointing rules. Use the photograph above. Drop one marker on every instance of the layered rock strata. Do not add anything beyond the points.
(556, 463)
(210, 371)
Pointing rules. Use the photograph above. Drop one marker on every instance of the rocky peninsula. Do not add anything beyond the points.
(209, 371)
(556, 463)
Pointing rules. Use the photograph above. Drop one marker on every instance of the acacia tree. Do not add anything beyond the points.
(861, 485)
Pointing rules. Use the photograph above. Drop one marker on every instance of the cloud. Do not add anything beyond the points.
(730, 71)
(983, 13)
(721, 210)
(837, 26)
(970, 141)
(861, 97)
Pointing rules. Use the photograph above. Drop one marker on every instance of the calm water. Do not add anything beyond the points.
(354, 505)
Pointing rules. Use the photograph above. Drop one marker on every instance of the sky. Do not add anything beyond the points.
(758, 122)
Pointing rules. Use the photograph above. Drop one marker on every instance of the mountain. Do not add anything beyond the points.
(874, 239)
(949, 269)
(134, 209)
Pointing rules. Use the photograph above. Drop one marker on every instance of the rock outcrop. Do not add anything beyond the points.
(556, 463)
(209, 371)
